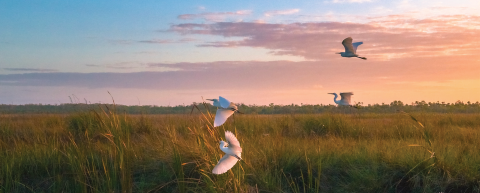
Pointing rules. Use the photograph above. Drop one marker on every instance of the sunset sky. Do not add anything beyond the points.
(253, 52)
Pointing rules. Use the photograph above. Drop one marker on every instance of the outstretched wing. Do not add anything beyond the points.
(231, 139)
(347, 43)
(224, 103)
(233, 106)
(346, 97)
(222, 116)
(226, 163)
(355, 45)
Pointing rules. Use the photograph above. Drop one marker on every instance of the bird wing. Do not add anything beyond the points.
(231, 139)
(355, 46)
(347, 43)
(224, 103)
(226, 163)
(233, 106)
(346, 97)
(222, 116)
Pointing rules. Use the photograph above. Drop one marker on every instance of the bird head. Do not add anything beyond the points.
(213, 100)
(222, 143)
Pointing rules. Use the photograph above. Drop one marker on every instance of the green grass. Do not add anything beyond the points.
(101, 151)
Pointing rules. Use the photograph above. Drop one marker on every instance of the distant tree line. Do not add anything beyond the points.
(395, 106)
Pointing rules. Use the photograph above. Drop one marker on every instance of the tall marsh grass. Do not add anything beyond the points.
(102, 151)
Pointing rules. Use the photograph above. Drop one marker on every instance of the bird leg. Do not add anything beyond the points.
(361, 57)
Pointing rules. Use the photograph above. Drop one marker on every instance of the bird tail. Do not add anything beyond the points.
(239, 158)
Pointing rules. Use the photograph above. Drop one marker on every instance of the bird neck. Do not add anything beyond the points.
(335, 99)
(226, 150)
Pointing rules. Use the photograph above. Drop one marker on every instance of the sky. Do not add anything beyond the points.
(253, 52)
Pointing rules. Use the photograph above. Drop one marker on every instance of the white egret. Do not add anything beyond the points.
(233, 153)
(345, 100)
(350, 48)
(225, 110)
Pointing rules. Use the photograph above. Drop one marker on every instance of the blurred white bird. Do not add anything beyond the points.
(225, 110)
(345, 100)
(350, 48)
(233, 153)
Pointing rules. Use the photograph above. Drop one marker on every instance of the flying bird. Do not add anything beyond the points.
(345, 100)
(350, 48)
(233, 153)
(225, 110)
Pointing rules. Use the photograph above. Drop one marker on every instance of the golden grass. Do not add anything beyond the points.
(100, 151)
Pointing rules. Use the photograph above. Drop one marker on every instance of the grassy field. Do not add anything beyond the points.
(100, 151)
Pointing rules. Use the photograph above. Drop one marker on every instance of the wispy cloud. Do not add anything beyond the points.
(30, 69)
(281, 12)
(152, 41)
(214, 16)
(156, 41)
(259, 75)
(167, 41)
(448, 8)
(126, 65)
(120, 65)
(249, 78)
(385, 38)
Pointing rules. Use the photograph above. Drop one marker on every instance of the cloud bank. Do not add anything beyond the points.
(256, 75)
(30, 70)
(385, 38)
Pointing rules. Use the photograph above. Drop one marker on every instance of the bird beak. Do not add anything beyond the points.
(240, 112)
(338, 53)
(209, 99)
(329, 93)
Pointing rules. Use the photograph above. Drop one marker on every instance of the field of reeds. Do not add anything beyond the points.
(103, 151)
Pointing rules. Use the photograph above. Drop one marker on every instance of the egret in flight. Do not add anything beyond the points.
(233, 153)
(225, 110)
(350, 48)
(345, 100)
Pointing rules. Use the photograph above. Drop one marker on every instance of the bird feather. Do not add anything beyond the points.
(222, 116)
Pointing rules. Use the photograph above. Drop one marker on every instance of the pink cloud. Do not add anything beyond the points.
(167, 41)
(259, 75)
(214, 16)
(384, 38)
(406, 79)
(281, 12)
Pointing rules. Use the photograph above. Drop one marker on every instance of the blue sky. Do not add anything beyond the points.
(42, 43)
